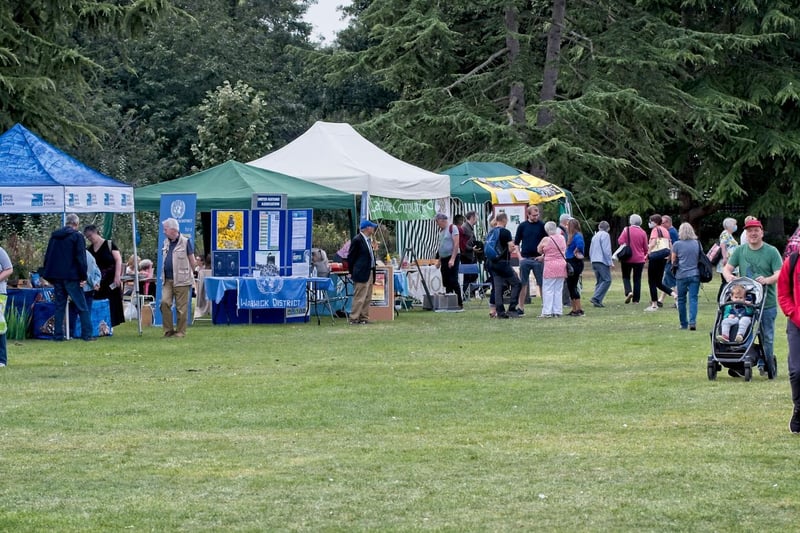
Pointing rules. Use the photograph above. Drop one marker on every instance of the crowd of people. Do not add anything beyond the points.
(553, 253)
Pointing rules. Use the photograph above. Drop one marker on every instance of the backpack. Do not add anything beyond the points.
(704, 266)
(492, 244)
(463, 240)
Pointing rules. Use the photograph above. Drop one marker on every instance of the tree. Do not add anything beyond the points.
(232, 127)
(40, 61)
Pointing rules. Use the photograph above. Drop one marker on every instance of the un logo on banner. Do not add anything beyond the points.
(269, 284)
(177, 209)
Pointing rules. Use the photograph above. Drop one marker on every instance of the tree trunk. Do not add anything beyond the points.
(550, 78)
(516, 95)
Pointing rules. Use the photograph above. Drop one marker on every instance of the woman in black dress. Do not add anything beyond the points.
(109, 260)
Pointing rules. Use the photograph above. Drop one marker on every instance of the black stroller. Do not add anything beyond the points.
(743, 349)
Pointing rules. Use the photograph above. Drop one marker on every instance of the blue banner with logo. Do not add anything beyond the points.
(183, 208)
(271, 292)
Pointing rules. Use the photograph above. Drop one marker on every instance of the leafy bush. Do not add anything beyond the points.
(18, 321)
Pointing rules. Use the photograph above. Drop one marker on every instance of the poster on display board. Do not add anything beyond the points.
(181, 207)
(268, 243)
(516, 215)
(229, 236)
(300, 239)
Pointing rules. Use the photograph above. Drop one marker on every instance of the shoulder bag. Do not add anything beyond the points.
(570, 269)
(660, 248)
(704, 267)
(624, 252)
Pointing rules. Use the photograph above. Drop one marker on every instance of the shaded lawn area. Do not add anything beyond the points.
(446, 422)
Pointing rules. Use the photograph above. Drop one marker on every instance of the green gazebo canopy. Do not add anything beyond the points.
(231, 185)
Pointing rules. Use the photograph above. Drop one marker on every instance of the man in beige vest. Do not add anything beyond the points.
(177, 277)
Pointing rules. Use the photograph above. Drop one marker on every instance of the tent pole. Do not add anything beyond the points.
(136, 273)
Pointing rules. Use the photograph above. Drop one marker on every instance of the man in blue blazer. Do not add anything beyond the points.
(361, 263)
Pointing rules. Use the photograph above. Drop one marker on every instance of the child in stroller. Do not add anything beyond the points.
(738, 313)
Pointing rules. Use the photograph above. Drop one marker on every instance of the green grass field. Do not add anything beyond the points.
(445, 422)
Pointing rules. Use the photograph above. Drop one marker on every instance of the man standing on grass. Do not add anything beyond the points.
(361, 263)
(6, 268)
(65, 269)
(447, 257)
(529, 234)
(177, 276)
(502, 272)
(761, 262)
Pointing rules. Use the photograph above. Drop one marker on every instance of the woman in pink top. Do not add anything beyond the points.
(553, 247)
(636, 238)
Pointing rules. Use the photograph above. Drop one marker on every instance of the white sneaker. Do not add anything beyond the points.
(651, 308)
(2, 365)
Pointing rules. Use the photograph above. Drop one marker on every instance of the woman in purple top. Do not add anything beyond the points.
(636, 238)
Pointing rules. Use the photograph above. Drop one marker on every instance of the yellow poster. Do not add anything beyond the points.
(230, 230)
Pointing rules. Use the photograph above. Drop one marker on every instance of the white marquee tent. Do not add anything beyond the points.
(335, 155)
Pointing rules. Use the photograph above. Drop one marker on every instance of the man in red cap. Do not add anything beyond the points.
(761, 262)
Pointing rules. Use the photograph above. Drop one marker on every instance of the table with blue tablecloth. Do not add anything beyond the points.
(244, 300)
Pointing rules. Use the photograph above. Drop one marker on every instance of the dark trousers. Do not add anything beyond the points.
(62, 289)
(450, 277)
(502, 273)
(572, 280)
(636, 270)
(793, 339)
(655, 277)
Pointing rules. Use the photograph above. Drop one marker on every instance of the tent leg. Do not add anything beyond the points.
(136, 273)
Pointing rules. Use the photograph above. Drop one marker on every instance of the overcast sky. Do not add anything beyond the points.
(326, 18)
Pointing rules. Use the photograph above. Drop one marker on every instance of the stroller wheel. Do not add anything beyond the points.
(748, 372)
(711, 369)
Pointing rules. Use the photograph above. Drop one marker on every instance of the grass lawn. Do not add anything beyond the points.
(446, 422)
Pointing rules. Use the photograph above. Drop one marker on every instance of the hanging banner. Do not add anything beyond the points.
(183, 208)
(396, 209)
(32, 200)
(520, 189)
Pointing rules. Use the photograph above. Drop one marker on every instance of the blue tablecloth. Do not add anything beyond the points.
(278, 293)
(400, 283)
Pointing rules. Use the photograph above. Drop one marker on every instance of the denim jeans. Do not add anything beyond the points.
(602, 276)
(528, 265)
(3, 352)
(768, 330)
(62, 289)
(688, 286)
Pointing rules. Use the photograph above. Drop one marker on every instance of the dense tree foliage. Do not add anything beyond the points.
(635, 105)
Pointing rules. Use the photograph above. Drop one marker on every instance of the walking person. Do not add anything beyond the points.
(789, 298)
(761, 262)
(600, 257)
(685, 254)
(668, 280)
(502, 272)
(447, 257)
(6, 269)
(65, 268)
(636, 239)
(361, 263)
(177, 277)
(727, 244)
(659, 249)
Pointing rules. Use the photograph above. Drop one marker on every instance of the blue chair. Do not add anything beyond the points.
(478, 287)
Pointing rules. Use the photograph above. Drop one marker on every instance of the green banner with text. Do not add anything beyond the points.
(394, 209)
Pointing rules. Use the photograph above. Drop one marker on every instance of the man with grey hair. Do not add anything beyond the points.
(600, 256)
(447, 257)
(65, 269)
(177, 276)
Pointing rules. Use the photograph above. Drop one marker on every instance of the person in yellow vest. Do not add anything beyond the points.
(177, 276)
